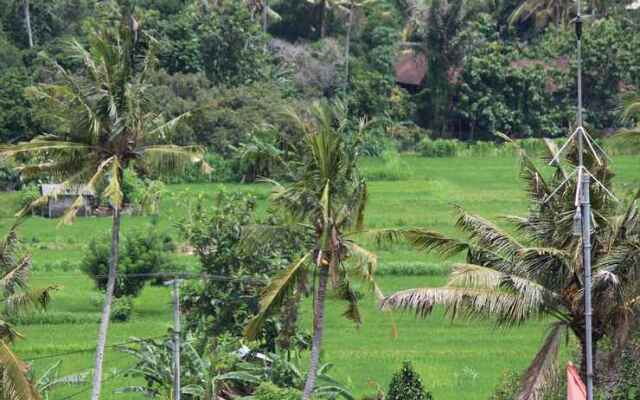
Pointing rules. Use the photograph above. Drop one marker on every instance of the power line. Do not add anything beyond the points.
(87, 350)
(86, 389)
(166, 274)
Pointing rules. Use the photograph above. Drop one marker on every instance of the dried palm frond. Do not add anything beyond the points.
(14, 384)
(543, 370)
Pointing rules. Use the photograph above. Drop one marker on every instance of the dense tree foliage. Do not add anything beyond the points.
(237, 268)
(141, 252)
(491, 66)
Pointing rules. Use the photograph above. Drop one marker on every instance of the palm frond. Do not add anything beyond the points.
(538, 188)
(542, 372)
(467, 303)
(274, 295)
(548, 266)
(29, 299)
(8, 333)
(15, 276)
(163, 129)
(423, 240)
(71, 212)
(345, 292)
(487, 235)
(13, 374)
(172, 158)
(475, 277)
(114, 190)
(366, 263)
(41, 144)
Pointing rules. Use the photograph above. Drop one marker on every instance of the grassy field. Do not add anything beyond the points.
(457, 360)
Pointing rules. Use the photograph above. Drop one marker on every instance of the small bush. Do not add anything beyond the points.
(440, 148)
(141, 252)
(406, 384)
(57, 266)
(628, 385)
(121, 309)
(28, 195)
(391, 169)
(269, 391)
(508, 387)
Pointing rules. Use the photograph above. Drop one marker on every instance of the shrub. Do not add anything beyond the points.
(141, 252)
(508, 387)
(392, 168)
(28, 195)
(269, 391)
(406, 384)
(440, 148)
(57, 266)
(143, 195)
(628, 385)
(121, 309)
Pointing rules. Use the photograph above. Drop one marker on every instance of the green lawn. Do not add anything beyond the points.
(457, 360)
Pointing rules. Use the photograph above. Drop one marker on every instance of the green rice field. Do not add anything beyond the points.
(457, 360)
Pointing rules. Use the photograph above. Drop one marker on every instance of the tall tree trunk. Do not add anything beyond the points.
(27, 22)
(108, 299)
(318, 327)
(347, 50)
(265, 15)
(323, 19)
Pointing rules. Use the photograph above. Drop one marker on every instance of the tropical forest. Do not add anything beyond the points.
(320, 199)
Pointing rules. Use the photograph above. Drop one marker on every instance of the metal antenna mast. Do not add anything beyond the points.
(582, 218)
(585, 213)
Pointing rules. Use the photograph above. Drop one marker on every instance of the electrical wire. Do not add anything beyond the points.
(88, 350)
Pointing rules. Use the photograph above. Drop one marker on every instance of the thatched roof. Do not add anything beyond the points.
(411, 68)
(58, 189)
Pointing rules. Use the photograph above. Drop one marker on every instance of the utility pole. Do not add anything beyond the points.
(176, 337)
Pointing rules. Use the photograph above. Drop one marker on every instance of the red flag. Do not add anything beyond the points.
(575, 387)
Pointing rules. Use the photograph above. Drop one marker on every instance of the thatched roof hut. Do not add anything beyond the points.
(61, 197)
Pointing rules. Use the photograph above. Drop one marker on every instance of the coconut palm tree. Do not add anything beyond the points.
(104, 127)
(14, 382)
(517, 278)
(330, 196)
(544, 12)
(15, 297)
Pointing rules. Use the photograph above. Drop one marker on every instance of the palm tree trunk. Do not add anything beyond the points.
(27, 22)
(347, 50)
(318, 327)
(323, 19)
(583, 359)
(106, 310)
(265, 16)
